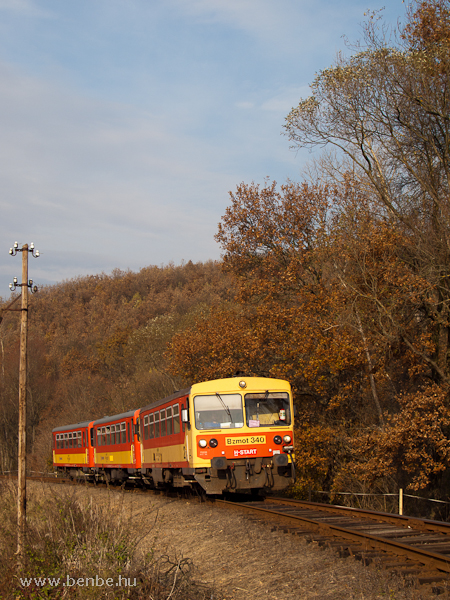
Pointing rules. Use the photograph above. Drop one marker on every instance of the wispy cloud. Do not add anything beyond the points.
(124, 123)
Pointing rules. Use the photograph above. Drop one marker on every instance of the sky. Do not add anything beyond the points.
(124, 124)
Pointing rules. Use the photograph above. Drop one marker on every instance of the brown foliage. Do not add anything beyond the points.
(96, 346)
(414, 448)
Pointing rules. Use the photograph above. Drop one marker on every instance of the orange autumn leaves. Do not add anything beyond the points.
(328, 298)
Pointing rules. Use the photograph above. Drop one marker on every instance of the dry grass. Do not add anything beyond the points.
(91, 548)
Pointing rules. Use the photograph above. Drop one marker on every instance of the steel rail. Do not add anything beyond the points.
(425, 525)
(431, 559)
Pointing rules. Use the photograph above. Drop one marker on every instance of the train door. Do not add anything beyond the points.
(137, 441)
(187, 416)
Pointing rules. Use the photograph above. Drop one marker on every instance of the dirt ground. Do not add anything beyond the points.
(242, 558)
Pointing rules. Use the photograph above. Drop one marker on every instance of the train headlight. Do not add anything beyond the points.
(277, 439)
(287, 439)
(213, 443)
(202, 443)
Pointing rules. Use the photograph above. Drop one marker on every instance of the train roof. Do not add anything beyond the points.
(70, 427)
(242, 384)
(112, 418)
(173, 396)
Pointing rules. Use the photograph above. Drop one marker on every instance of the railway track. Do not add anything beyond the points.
(415, 548)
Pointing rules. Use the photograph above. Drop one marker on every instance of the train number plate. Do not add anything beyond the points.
(245, 441)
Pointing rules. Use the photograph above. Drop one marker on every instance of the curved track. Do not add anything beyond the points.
(416, 547)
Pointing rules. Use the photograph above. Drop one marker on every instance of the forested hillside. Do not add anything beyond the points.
(96, 347)
(339, 284)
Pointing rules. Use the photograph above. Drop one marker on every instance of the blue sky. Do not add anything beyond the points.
(125, 123)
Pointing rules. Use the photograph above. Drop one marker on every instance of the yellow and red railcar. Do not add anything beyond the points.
(117, 452)
(72, 449)
(235, 435)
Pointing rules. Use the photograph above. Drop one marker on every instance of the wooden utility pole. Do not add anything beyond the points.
(22, 460)
(22, 435)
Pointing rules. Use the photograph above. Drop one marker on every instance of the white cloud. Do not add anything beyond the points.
(245, 105)
(26, 8)
(286, 98)
(105, 172)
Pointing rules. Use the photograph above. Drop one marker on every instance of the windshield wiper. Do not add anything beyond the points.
(227, 410)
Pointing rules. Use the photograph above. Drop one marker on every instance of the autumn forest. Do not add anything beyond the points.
(339, 283)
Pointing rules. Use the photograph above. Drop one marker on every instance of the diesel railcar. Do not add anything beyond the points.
(226, 435)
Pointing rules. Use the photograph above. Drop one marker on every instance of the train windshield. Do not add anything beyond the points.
(218, 411)
(267, 409)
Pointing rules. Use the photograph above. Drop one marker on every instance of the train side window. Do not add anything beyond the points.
(176, 418)
(57, 440)
(70, 440)
(163, 422)
(99, 436)
(108, 435)
(66, 441)
(151, 426)
(128, 431)
(117, 437)
(123, 433)
(146, 427)
(169, 427)
(79, 439)
(157, 434)
(84, 440)
(92, 437)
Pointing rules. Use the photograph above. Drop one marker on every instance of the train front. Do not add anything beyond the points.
(241, 434)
